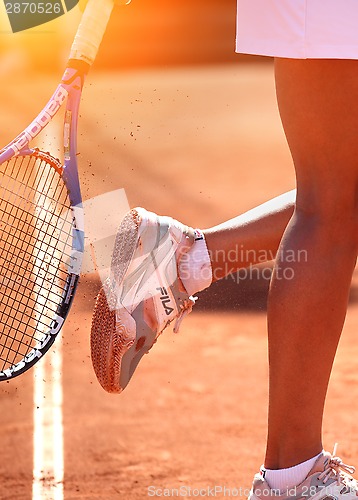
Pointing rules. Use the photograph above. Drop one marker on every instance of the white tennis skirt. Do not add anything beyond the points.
(303, 29)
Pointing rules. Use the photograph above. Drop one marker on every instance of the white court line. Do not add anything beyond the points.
(48, 464)
(48, 454)
(57, 418)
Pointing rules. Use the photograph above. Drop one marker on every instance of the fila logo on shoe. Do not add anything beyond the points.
(165, 299)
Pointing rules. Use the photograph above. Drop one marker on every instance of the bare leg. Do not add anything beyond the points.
(249, 238)
(318, 101)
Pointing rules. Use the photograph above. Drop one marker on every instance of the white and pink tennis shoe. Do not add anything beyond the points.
(141, 297)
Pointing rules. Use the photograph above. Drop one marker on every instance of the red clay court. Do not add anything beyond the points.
(201, 143)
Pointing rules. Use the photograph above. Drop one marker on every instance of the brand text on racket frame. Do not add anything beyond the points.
(41, 121)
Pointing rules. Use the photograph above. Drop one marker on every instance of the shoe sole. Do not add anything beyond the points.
(111, 339)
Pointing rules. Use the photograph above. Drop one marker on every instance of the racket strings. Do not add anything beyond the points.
(35, 251)
(26, 192)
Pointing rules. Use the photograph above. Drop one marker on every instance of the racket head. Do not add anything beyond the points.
(40, 263)
(41, 248)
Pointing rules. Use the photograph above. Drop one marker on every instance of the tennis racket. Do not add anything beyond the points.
(41, 215)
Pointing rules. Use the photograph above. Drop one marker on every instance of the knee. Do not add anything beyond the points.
(331, 214)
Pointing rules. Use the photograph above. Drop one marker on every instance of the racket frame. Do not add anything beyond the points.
(69, 91)
(82, 54)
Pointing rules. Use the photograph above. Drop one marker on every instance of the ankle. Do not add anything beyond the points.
(194, 265)
(289, 456)
(287, 478)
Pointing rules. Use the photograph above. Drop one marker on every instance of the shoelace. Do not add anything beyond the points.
(186, 308)
(340, 471)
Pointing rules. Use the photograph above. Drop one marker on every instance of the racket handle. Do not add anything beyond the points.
(91, 30)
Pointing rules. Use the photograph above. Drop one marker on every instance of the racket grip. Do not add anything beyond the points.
(91, 30)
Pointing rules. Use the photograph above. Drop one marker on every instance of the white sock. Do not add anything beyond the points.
(284, 479)
(195, 266)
